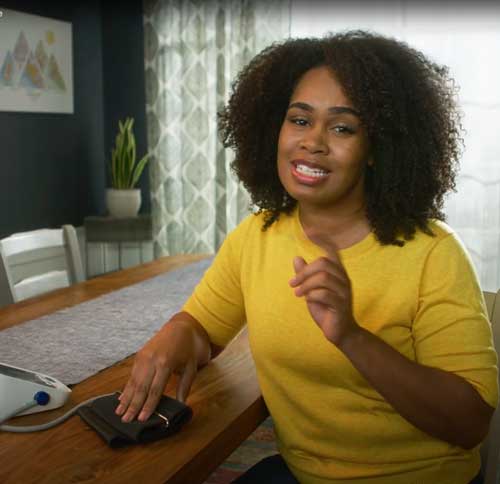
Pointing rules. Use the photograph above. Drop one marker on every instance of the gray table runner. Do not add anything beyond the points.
(75, 343)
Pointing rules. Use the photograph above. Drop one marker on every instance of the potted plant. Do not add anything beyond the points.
(123, 199)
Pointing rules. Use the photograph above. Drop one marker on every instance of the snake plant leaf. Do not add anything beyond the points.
(125, 172)
(132, 151)
(122, 157)
(138, 169)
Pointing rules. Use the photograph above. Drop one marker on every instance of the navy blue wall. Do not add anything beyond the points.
(54, 166)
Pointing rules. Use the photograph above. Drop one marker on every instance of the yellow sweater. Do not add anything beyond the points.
(332, 426)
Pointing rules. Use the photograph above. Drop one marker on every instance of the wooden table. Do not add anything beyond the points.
(225, 398)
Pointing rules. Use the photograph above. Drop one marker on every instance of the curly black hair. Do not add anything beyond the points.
(406, 102)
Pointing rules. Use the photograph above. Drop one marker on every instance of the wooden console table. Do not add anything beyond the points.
(112, 230)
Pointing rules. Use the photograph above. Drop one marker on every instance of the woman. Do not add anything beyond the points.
(366, 321)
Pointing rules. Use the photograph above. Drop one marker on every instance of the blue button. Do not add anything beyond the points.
(42, 398)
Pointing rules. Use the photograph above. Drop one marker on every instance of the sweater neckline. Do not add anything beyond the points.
(364, 245)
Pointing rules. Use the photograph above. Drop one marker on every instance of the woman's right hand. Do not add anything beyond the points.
(180, 347)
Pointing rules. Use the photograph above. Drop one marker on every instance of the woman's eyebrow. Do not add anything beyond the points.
(333, 109)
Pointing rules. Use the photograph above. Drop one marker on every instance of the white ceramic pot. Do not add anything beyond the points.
(123, 203)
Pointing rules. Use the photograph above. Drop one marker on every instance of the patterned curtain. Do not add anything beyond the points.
(193, 51)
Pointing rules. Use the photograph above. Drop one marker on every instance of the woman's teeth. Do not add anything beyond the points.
(313, 172)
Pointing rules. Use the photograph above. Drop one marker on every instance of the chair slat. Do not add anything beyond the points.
(35, 285)
(37, 239)
(39, 261)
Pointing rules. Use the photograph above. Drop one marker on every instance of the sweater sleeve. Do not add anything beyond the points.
(217, 302)
(451, 329)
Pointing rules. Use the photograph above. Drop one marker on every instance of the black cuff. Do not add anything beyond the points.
(169, 417)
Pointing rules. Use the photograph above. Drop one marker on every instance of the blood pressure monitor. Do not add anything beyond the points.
(24, 391)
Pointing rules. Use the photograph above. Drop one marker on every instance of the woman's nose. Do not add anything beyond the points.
(314, 140)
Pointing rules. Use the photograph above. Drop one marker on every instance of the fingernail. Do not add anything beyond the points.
(119, 409)
(292, 281)
(142, 416)
(126, 418)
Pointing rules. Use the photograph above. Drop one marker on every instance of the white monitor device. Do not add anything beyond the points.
(19, 387)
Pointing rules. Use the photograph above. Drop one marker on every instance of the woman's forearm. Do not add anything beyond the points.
(440, 403)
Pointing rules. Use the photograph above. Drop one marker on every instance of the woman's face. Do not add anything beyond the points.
(323, 148)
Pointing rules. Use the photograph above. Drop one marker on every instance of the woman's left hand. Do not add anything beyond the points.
(327, 290)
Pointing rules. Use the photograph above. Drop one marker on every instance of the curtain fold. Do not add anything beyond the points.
(193, 52)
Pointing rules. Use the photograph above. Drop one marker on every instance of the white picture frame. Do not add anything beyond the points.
(36, 63)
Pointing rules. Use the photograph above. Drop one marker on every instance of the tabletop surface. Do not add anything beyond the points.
(225, 398)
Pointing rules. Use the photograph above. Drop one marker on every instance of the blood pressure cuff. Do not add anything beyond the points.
(170, 415)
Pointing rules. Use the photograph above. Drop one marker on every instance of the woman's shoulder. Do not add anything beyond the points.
(436, 234)
(440, 229)
(249, 226)
(442, 236)
(252, 221)
(256, 221)
(435, 231)
(251, 230)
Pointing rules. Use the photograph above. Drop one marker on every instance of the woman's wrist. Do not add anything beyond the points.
(203, 348)
(351, 339)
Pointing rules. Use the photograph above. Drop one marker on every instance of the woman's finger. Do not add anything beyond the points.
(128, 391)
(323, 264)
(298, 264)
(323, 296)
(326, 280)
(186, 380)
(140, 389)
(156, 389)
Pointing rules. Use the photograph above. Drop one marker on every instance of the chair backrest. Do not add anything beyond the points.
(490, 451)
(32, 263)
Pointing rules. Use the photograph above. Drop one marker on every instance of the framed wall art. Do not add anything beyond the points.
(36, 63)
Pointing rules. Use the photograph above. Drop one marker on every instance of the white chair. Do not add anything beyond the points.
(490, 450)
(32, 263)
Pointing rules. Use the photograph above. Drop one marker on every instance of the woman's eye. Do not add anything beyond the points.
(343, 129)
(299, 121)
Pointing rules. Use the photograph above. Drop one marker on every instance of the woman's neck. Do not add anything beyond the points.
(334, 230)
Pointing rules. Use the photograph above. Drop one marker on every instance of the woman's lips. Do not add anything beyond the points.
(308, 173)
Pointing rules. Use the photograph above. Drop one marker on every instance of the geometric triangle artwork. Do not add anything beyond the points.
(35, 64)
(21, 49)
(7, 70)
(32, 76)
(32, 70)
(41, 55)
(53, 75)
